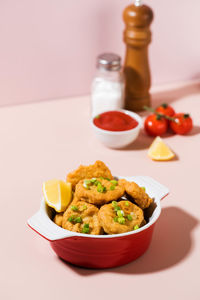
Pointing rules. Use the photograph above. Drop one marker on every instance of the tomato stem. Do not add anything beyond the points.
(159, 115)
(164, 105)
(186, 116)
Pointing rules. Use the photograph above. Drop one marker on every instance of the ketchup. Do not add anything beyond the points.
(115, 121)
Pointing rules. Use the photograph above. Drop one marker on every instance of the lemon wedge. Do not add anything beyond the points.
(159, 150)
(57, 194)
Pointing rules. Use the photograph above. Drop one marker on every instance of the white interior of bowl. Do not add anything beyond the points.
(41, 222)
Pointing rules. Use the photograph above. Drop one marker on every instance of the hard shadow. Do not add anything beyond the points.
(195, 130)
(171, 244)
(174, 94)
(143, 142)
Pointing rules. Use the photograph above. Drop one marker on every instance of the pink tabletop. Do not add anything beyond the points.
(46, 140)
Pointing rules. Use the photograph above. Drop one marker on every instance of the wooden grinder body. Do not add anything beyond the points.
(137, 37)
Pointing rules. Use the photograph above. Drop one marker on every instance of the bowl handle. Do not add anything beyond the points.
(44, 226)
(159, 191)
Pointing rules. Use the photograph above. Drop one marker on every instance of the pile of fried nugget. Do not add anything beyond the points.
(102, 204)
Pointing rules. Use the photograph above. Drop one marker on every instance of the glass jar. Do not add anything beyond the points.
(108, 86)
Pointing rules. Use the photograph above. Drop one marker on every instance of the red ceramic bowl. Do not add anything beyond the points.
(100, 251)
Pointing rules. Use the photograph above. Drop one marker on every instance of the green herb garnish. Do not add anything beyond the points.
(93, 180)
(70, 219)
(136, 227)
(121, 220)
(129, 217)
(78, 220)
(107, 179)
(84, 207)
(74, 208)
(127, 203)
(120, 213)
(114, 182)
(101, 188)
(87, 182)
(86, 228)
(117, 208)
(97, 182)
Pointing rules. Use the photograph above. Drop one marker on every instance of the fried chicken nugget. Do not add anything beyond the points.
(137, 193)
(58, 219)
(112, 223)
(81, 217)
(100, 192)
(97, 170)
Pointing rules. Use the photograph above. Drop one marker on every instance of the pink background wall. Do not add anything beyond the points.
(48, 47)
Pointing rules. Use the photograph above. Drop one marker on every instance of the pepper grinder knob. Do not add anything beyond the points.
(138, 2)
(137, 36)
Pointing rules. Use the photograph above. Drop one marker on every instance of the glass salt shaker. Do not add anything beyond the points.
(108, 85)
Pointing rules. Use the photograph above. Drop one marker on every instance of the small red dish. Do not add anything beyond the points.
(100, 251)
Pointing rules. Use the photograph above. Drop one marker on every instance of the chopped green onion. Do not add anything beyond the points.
(115, 219)
(74, 208)
(84, 207)
(101, 188)
(143, 188)
(120, 213)
(127, 203)
(70, 219)
(117, 208)
(136, 227)
(107, 179)
(114, 203)
(86, 186)
(102, 178)
(97, 182)
(86, 225)
(78, 220)
(129, 218)
(114, 182)
(112, 188)
(93, 180)
(121, 220)
(85, 230)
(87, 182)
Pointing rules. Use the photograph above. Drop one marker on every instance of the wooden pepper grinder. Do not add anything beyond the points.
(137, 36)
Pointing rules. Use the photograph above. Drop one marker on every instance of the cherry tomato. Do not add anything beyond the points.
(155, 125)
(182, 123)
(166, 110)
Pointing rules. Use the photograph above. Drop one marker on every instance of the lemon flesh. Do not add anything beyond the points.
(57, 194)
(159, 150)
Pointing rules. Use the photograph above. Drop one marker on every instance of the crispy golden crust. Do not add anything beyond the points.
(93, 196)
(97, 170)
(138, 194)
(88, 214)
(107, 215)
(58, 219)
